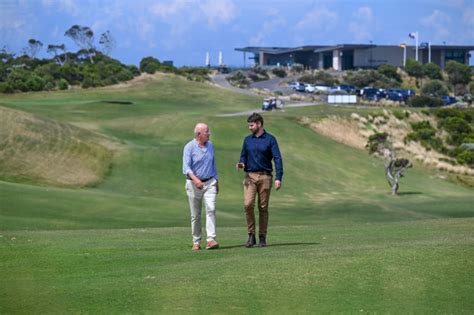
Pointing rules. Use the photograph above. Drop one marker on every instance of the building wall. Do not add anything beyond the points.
(376, 56)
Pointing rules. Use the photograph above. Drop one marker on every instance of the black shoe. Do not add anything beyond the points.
(251, 241)
(262, 242)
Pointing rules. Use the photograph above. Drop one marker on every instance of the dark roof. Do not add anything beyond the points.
(324, 48)
(277, 50)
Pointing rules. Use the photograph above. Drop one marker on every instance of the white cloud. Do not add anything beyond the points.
(439, 23)
(318, 20)
(67, 6)
(362, 25)
(273, 22)
(218, 11)
(468, 18)
(16, 24)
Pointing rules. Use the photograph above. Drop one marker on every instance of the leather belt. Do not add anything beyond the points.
(202, 180)
(261, 173)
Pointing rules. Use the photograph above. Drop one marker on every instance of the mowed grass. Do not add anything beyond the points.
(339, 242)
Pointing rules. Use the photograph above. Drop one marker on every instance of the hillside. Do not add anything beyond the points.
(338, 240)
(40, 150)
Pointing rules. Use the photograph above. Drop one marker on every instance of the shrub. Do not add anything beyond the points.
(63, 84)
(434, 88)
(365, 78)
(298, 68)
(149, 65)
(390, 72)
(414, 68)
(425, 101)
(466, 157)
(279, 72)
(375, 140)
(432, 71)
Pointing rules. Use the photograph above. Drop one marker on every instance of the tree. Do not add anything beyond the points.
(432, 71)
(149, 65)
(55, 51)
(434, 88)
(108, 43)
(34, 46)
(83, 36)
(394, 168)
(459, 74)
(414, 68)
(390, 72)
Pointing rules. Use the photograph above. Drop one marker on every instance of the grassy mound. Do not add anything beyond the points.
(40, 150)
(338, 241)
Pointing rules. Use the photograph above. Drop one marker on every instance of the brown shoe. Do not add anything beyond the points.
(212, 245)
(196, 247)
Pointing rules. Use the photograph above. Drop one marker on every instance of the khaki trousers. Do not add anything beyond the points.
(196, 197)
(261, 185)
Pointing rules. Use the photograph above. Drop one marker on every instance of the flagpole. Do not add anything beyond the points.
(416, 43)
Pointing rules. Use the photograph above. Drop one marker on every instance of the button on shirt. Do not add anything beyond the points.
(258, 152)
(199, 160)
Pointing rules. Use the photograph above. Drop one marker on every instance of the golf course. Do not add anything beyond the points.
(94, 216)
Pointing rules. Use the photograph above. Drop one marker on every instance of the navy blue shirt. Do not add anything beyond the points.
(258, 152)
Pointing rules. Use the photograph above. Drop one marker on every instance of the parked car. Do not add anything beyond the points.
(310, 88)
(372, 94)
(293, 85)
(448, 100)
(395, 95)
(271, 103)
(321, 88)
(350, 89)
(300, 87)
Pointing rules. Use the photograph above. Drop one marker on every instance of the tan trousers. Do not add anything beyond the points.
(261, 185)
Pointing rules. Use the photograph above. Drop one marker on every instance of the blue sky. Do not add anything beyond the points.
(184, 30)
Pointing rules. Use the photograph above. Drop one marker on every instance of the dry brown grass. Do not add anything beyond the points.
(46, 151)
(356, 130)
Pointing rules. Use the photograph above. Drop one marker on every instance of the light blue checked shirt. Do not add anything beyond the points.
(199, 161)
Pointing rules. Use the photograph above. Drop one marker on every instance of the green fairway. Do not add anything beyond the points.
(338, 241)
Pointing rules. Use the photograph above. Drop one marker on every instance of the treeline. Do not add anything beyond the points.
(90, 66)
(23, 74)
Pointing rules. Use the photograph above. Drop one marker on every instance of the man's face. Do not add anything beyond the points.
(204, 135)
(254, 126)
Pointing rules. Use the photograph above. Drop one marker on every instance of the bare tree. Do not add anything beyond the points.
(108, 42)
(394, 168)
(34, 46)
(83, 36)
(56, 50)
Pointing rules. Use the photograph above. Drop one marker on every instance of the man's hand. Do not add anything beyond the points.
(197, 182)
(277, 184)
(239, 165)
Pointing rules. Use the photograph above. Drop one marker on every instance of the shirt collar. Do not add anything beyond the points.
(262, 136)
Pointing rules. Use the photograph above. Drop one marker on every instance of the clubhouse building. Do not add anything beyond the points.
(354, 56)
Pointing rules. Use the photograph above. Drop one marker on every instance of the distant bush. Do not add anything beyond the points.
(238, 79)
(424, 133)
(376, 140)
(425, 101)
(434, 88)
(466, 157)
(373, 78)
(63, 84)
(298, 68)
(279, 72)
(414, 68)
(149, 65)
(390, 72)
(432, 71)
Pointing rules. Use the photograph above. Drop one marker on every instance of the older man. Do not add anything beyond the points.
(199, 167)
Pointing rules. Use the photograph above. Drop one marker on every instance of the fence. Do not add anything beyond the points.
(342, 99)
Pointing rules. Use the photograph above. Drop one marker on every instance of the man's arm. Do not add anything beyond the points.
(243, 157)
(277, 159)
(187, 164)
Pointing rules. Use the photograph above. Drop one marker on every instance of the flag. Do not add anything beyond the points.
(412, 35)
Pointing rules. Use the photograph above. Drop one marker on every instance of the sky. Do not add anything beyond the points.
(185, 30)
